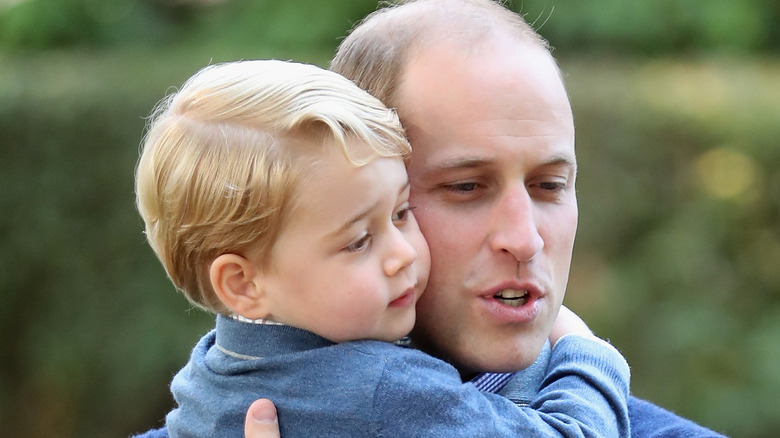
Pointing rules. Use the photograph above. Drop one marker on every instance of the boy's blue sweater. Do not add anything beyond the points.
(377, 389)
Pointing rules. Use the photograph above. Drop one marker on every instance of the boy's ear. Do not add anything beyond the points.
(236, 281)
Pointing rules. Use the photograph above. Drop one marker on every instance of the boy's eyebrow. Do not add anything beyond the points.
(362, 214)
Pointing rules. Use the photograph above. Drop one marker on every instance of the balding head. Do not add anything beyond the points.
(377, 51)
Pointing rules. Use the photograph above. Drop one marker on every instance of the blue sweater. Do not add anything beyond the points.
(376, 389)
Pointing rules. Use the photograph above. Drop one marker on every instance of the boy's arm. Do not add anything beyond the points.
(584, 394)
(588, 381)
(571, 338)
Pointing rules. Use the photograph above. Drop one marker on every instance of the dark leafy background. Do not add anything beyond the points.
(677, 106)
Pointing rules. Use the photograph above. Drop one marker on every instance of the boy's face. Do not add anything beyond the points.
(352, 262)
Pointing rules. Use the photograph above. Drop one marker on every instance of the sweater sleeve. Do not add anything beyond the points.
(586, 386)
(584, 394)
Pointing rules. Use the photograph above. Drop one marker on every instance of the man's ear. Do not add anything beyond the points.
(237, 283)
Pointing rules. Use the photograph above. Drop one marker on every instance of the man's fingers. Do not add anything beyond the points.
(261, 420)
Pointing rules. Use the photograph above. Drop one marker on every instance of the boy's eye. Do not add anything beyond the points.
(402, 215)
(360, 244)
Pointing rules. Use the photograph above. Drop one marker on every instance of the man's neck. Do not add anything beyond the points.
(522, 386)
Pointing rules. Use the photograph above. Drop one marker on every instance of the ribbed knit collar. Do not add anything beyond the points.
(247, 340)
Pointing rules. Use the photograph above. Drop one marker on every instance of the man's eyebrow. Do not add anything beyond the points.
(462, 163)
(471, 162)
(361, 215)
(561, 160)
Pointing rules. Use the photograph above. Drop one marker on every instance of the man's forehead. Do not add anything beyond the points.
(443, 75)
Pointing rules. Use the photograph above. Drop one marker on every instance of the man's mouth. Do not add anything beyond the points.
(511, 297)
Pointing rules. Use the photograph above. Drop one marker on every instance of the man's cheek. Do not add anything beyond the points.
(443, 235)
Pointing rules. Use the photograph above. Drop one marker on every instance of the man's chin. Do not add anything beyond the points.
(504, 361)
(472, 361)
(497, 364)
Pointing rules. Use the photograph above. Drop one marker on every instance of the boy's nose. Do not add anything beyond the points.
(401, 253)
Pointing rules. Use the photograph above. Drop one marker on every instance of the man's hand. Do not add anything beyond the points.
(261, 421)
(568, 323)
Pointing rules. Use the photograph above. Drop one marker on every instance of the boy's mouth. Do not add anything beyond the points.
(406, 299)
(511, 297)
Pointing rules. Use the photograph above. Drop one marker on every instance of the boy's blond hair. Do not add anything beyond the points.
(223, 158)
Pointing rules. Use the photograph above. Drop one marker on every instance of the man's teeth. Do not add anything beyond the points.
(510, 297)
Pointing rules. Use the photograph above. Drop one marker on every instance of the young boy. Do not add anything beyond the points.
(275, 195)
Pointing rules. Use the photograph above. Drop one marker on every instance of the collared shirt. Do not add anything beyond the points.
(521, 386)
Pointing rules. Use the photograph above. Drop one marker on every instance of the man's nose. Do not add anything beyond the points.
(514, 225)
(401, 253)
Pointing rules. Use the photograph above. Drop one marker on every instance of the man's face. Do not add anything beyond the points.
(492, 173)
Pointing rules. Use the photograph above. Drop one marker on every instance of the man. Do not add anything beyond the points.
(492, 173)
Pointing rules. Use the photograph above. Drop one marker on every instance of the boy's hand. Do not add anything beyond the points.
(568, 323)
(261, 421)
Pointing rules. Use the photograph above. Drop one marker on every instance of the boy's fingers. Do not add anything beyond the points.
(261, 420)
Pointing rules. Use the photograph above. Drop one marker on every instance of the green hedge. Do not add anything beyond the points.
(676, 257)
(638, 26)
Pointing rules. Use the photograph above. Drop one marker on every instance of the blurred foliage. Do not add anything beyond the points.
(679, 244)
(48, 24)
(659, 26)
(679, 185)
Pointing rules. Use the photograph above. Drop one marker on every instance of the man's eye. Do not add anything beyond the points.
(462, 187)
(360, 244)
(552, 186)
